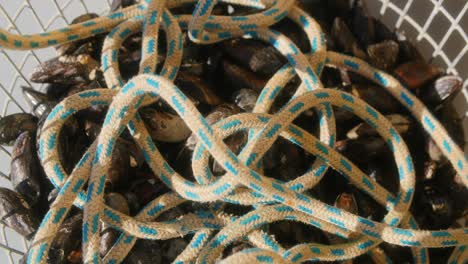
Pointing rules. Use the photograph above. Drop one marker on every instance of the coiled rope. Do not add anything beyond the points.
(244, 182)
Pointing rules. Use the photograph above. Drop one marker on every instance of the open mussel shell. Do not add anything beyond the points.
(25, 172)
(12, 126)
(16, 213)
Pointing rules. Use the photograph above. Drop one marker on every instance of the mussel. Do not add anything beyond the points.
(17, 214)
(12, 126)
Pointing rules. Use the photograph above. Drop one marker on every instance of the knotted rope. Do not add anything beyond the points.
(244, 182)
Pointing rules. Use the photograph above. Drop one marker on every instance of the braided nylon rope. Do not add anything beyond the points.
(243, 183)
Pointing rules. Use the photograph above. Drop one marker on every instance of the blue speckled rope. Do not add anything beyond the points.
(244, 183)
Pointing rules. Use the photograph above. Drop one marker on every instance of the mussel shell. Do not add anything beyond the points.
(415, 74)
(363, 150)
(382, 32)
(384, 172)
(145, 252)
(367, 206)
(435, 208)
(254, 55)
(66, 247)
(56, 91)
(109, 235)
(362, 25)
(220, 112)
(39, 102)
(12, 126)
(72, 143)
(402, 125)
(237, 77)
(291, 233)
(245, 99)
(143, 189)
(408, 50)
(25, 172)
(117, 202)
(165, 127)
(91, 46)
(171, 248)
(117, 4)
(452, 122)
(16, 213)
(443, 89)
(284, 160)
(434, 152)
(67, 70)
(235, 247)
(384, 55)
(345, 39)
(346, 201)
(118, 172)
(196, 88)
(373, 95)
(235, 143)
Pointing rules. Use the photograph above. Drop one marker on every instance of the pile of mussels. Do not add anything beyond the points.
(222, 80)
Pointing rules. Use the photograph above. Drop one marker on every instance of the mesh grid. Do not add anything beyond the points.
(437, 26)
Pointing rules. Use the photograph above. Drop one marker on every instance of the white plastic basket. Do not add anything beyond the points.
(437, 27)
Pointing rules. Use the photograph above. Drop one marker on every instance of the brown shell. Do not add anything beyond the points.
(12, 126)
(16, 213)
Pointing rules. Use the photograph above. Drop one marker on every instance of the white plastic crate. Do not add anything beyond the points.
(438, 28)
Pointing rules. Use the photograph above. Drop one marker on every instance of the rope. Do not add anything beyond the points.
(244, 182)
